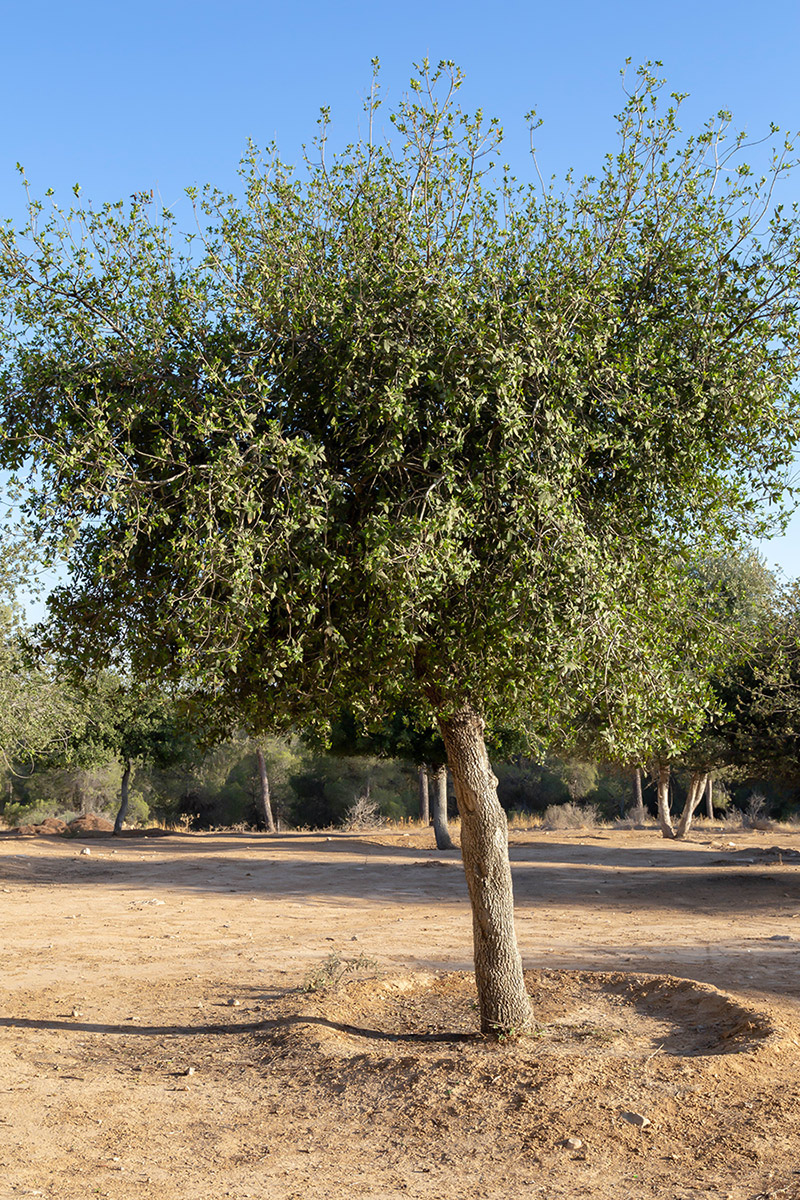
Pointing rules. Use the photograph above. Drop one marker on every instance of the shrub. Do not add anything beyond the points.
(570, 816)
(363, 813)
(756, 814)
(34, 814)
(138, 810)
(333, 970)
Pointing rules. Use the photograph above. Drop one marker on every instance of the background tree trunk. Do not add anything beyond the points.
(124, 796)
(664, 818)
(710, 798)
(424, 797)
(441, 828)
(503, 1002)
(697, 786)
(638, 800)
(266, 806)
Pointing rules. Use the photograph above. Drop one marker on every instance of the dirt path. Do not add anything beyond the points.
(155, 1043)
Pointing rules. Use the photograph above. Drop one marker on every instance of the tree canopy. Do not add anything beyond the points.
(391, 430)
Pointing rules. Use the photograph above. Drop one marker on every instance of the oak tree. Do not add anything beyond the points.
(397, 432)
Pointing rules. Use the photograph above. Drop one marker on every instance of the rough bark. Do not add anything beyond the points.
(264, 797)
(664, 818)
(710, 798)
(697, 786)
(424, 796)
(637, 811)
(441, 828)
(503, 1002)
(124, 797)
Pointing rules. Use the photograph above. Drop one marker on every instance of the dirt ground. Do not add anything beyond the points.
(158, 1042)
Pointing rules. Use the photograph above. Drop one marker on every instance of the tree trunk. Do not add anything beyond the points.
(424, 798)
(638, 800)
(124, 796)
(503, 1002)
(440, 827)
(697, 786)
(664, 818)
(710, 798)
(266, 807)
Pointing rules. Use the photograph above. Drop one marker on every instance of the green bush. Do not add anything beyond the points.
(34, 814)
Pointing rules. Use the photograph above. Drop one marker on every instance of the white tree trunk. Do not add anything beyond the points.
(697, 786)
(637, 812)
(264, 796)
(424, 796)
(441, 827)
(664, 817)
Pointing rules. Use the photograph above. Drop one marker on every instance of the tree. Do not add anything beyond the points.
(264, 796)
(760, 697)
(39, 712)
(400, 737)
(395, 437)
(742, 593)
(133, 724)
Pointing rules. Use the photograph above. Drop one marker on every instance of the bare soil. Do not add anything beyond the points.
(158, 1038)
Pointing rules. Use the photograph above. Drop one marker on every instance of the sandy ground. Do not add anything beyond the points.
(157, 1040)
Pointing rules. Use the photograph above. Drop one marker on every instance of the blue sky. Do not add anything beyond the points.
(165, 95)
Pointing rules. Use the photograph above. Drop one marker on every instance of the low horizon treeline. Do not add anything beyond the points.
(313, 789)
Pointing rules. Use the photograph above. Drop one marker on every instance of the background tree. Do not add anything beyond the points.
(742, 594)
(396, 437)
(762, 696)
(132, 724)
(400, 737)
(39, 711)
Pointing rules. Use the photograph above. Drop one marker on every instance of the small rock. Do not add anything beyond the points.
(571, 1143)
(636, 1119)
(86, 850)
(76, 1012)
(235, 1003)
(189, 1071)
(780, 937)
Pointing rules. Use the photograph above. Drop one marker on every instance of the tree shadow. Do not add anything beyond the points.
(215, 1029)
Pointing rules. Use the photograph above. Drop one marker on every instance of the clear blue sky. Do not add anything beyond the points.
(164, 95)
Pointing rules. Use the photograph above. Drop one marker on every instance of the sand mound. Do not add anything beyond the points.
(50, 827)
(90, 823)
(589, 1014)
(618, 1063)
